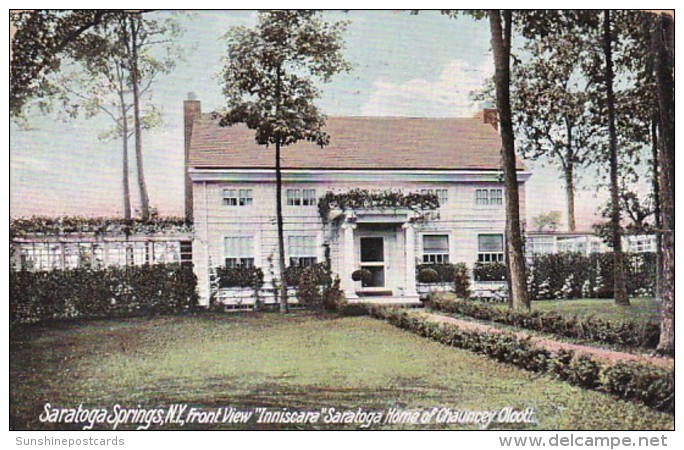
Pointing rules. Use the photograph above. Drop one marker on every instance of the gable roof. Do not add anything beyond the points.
(377, 143)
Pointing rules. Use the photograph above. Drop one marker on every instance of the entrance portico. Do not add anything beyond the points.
(382, 242)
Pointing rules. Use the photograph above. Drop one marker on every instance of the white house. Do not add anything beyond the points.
(231, 191)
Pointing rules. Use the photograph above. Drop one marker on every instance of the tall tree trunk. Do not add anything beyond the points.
(279, 205)
(142, 186)
(656, 206)
(124, 127)
(619, 284)
(663, 46)
(501, 47)
(570, 178)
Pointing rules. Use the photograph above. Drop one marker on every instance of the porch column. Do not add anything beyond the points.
(410, 244)
(348, 260)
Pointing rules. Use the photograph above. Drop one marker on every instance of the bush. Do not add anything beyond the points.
(575, 275)
(625, 333)
(428, 276)
(333, 297)
(110, 292)
(247, 277)
(363, 275)
(651, 386)
(456, 274)
(308, 291)
(293, 274)
(494, 271)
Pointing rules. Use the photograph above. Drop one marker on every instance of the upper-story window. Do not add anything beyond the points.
(435, 248)
(442, 194)
(302, 250)
(237, 197)
(301, 197)
(239, 251)
(489, 196)
(490, 248)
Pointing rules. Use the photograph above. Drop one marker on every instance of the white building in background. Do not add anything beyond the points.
(230, 193)
(549, 242)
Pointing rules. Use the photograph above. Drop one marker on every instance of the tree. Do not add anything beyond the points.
(269, 86)
(663, 48)
(550, 108)
(547, 221)
(112, 78)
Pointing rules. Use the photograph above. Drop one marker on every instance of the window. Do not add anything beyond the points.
(495, 197)
(442, 194)
(489, 197)
(490, 248)
(301, 197)
(239, 251)
(436, 248)
(302, 250)
(237, 197)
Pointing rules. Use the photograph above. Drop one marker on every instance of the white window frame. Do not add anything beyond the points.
(430, 257)
(490, 257)
(300, 197)
(482, 197)
(237, 197)
(496, 200)
(302, 250)
(242, 254)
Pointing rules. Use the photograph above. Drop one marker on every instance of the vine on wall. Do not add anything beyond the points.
(367, 199)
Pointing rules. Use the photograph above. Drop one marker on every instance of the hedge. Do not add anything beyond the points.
(228, 277)
(626, 333)
(575, 275)
(109, 292)
(293, 274)
(654, 387)
(455, 274)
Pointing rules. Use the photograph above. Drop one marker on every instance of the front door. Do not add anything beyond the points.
(373, 259)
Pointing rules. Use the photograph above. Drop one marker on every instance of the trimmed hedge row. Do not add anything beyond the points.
(575, 275)
(109, 292)
(654, 387)
(454, 274)
(626, 333)
(247, 277)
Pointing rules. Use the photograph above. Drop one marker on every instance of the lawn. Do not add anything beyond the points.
(640, 309)
(300, 361)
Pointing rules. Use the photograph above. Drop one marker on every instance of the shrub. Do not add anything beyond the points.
(308, 291)
(333, 297)
(428, 276)
(248, 277)
(625, 333)
(110, 292)
(651, 386)
(455, 274)
(363, 275)
(494, 271)
(293, 274)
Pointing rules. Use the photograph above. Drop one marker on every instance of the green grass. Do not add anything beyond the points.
(640, 309)
(302, 361)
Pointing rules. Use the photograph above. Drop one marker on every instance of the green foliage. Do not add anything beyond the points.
(293, 274)
(624, 333)
(363, 275)
(575, 275)
(333, 297)
(308, 289)
(244, 277)
(61, 225)
(546, 221)
(448, 273)
(369, 199)
(110, 292)
(494, 271)
(652, 386)
(428, 275)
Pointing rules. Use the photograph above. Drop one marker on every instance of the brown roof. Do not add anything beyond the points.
(379, 143)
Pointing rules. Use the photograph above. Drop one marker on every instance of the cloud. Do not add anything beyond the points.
(448, 95)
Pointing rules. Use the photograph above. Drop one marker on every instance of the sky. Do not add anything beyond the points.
(421, 65)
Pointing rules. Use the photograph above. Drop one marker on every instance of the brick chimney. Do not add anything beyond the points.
(489, 115)
(192, 109)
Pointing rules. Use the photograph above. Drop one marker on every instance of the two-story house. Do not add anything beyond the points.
(231, 195)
